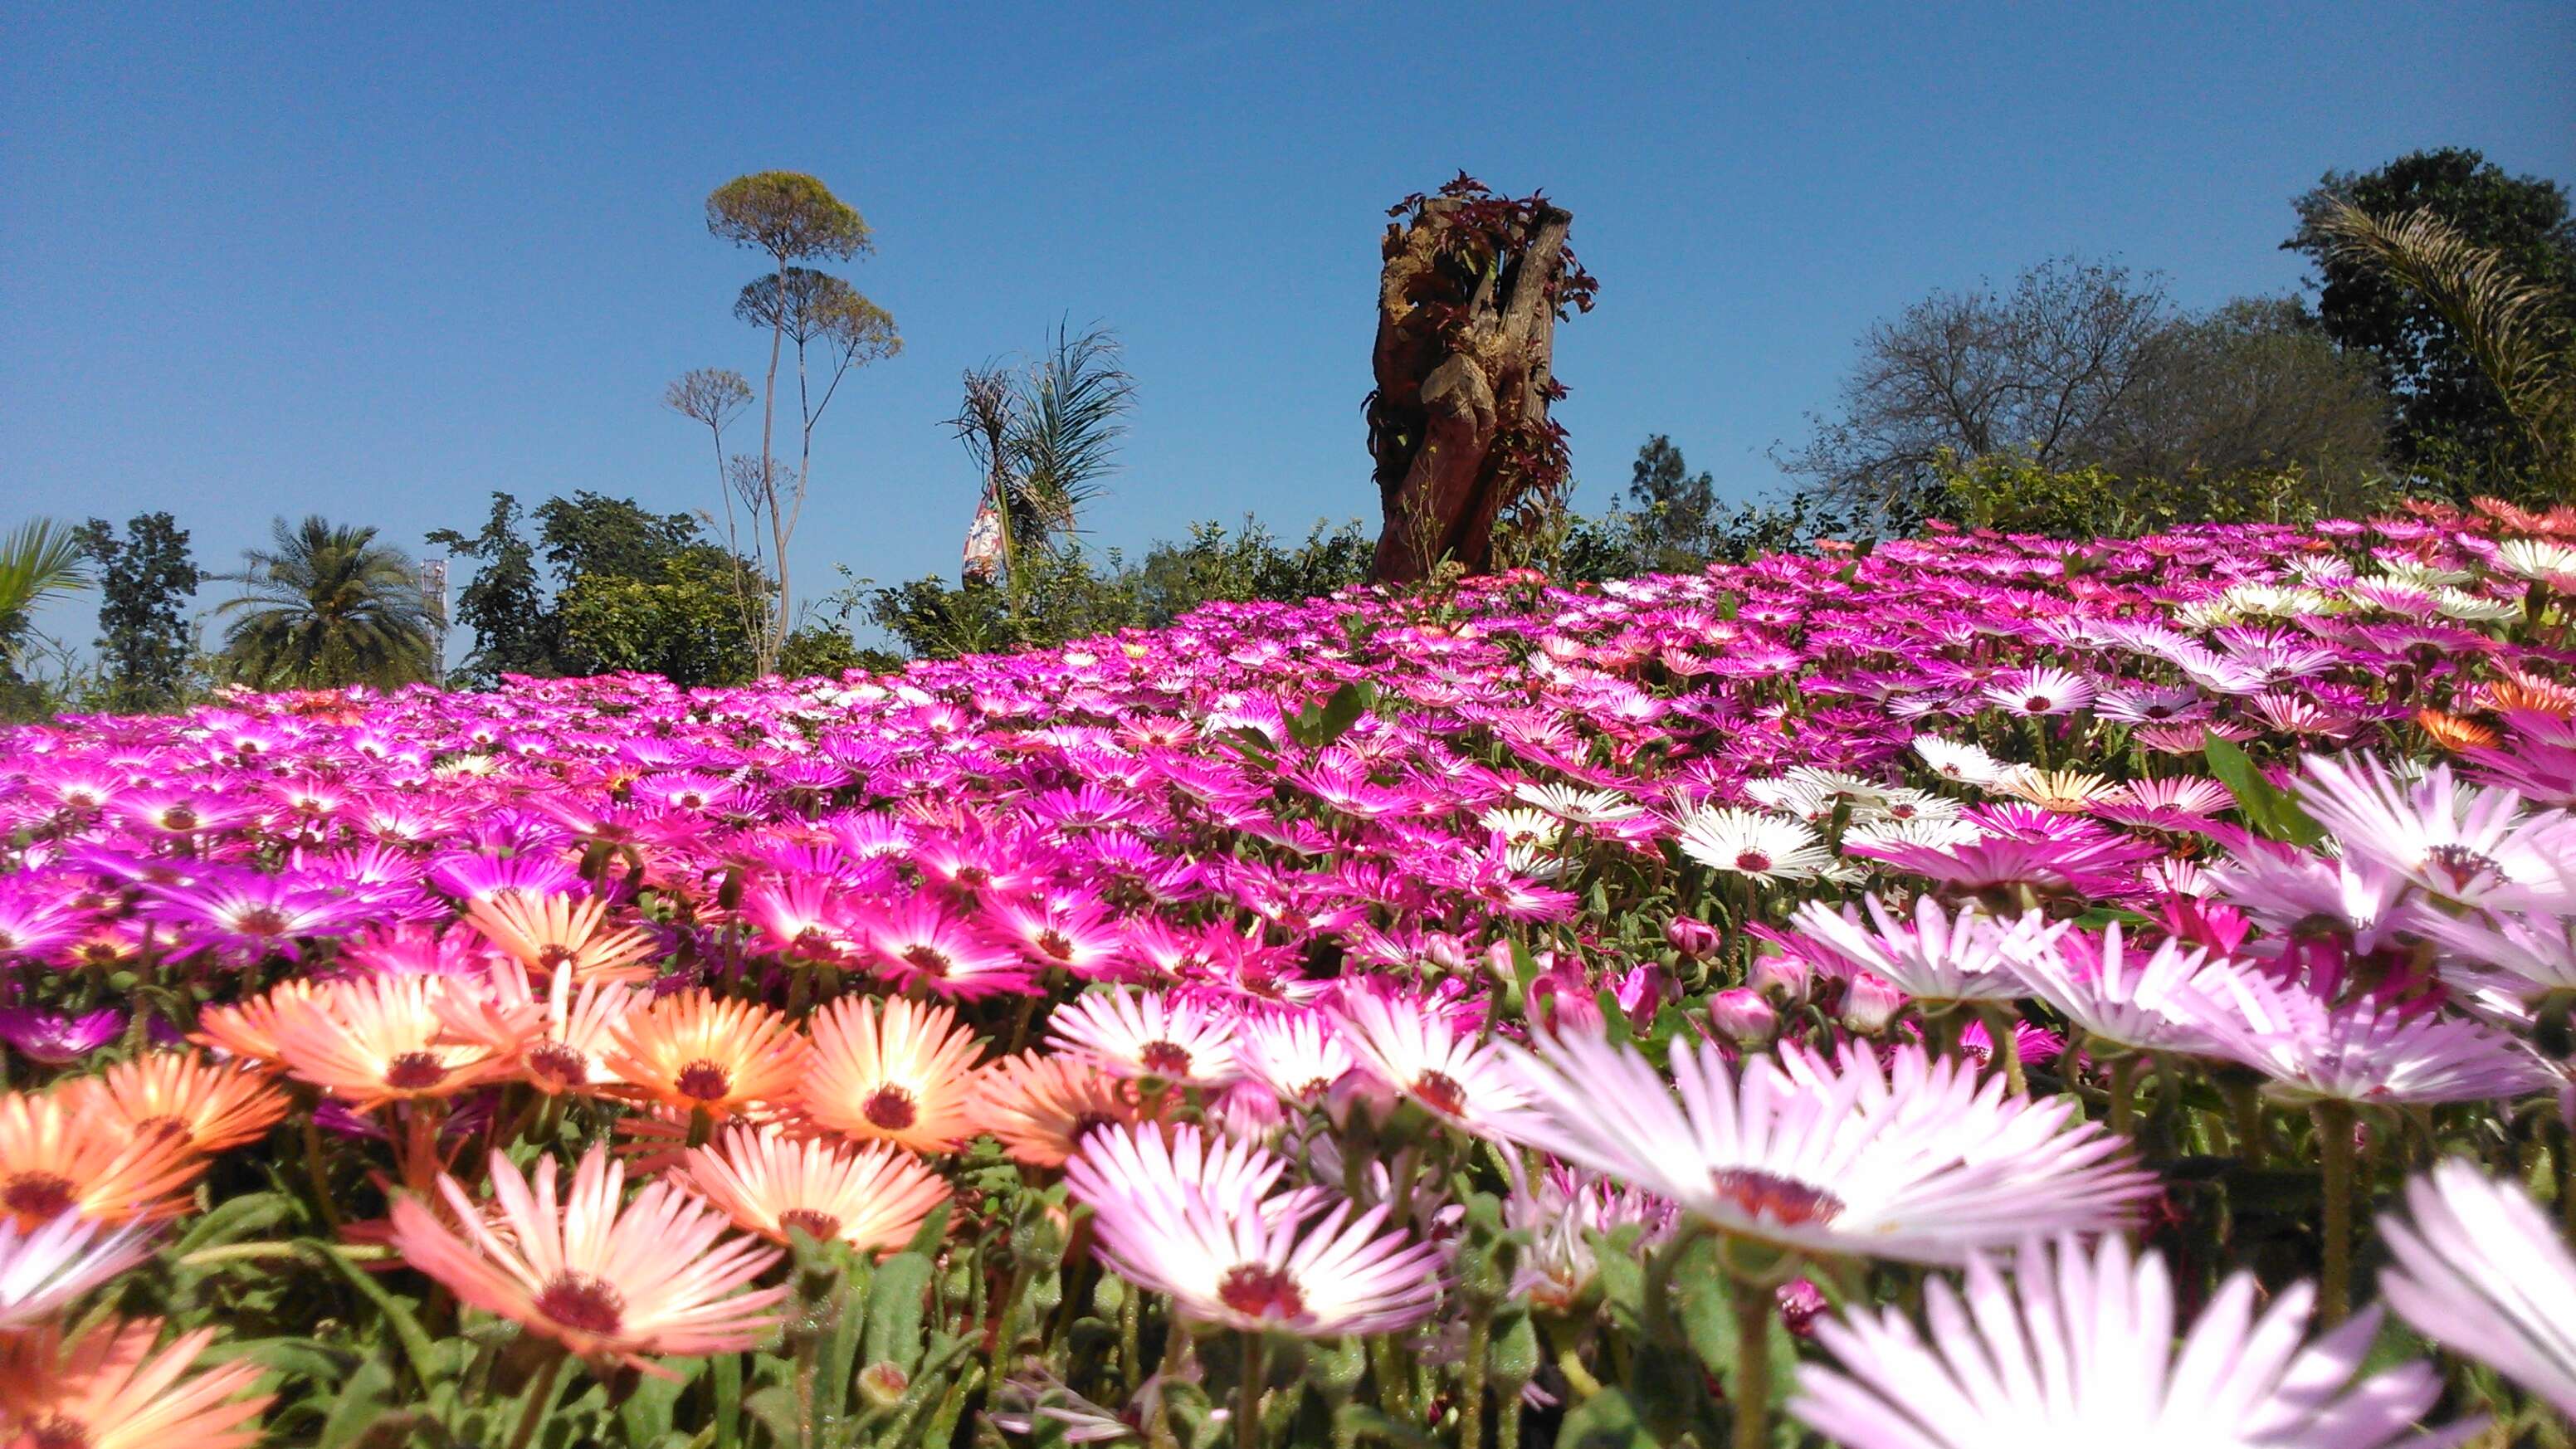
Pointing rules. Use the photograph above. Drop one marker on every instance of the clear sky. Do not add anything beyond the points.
(377, 261)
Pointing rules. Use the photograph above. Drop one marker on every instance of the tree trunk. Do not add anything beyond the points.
(1464, 369)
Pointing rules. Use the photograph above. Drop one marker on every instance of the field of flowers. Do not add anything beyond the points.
(1897, 997)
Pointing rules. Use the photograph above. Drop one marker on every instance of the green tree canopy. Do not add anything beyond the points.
(327, 606)
(504, 603)
(2450, 420)
(145, 581)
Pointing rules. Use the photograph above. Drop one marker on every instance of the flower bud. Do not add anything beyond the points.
(1695, 939)
(1742, 1016)
(1869, 1004)
(1784, 978)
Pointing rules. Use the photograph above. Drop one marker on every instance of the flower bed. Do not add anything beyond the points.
(1973, 985)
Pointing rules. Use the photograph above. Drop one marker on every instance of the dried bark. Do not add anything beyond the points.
(1469, 294)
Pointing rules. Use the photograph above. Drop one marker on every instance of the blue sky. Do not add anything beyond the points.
(378, 261)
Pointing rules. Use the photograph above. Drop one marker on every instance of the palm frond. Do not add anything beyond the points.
(40, 560)
(2511, 325)
(1066, 442)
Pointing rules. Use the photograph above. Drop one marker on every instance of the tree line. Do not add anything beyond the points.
(2438, 357)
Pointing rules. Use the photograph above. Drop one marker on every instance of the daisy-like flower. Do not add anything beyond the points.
(2482, 1270)
(212, 1106)
(1041, 1107)
(247, 1030)
(2290, 890)
(2528, 956)
(2362, 1051)
(922, 942)
(1937, 958)
(2471, 844)
(375, 1040)
(1195, 1225)
(2117, 999)
(1754, 844)
(1297, 1054)
(872, 1198)
(890, 1070)
(1917, 1161)
(660, 1276)
(1422, 1049)
(542, 932)
(1149, 1034)
(1574, 803)
(56, 1157)
(558, 1043)
(59, 1041)
(43, 1269)
(2041, 690)
(1954, 760)
(694, 1053)
(105, 1388)
(2083, 1342)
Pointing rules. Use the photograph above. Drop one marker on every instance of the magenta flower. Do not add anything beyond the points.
(58, 1040)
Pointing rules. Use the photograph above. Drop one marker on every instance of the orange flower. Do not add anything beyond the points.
(543, 932)
(54, 1157)
(106, 1389)
(2452, 732)
(872, 1198)
(891, 1071)
(212, 1105)
(1040, 1106)
(661, 1277)
(698, 1054)
(557, 1045)
(248, 1029)
(378, 1040)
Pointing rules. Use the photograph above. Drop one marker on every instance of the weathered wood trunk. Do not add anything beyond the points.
(1468, 298)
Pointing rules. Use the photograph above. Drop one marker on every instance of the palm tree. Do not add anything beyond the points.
(327, 606)
(1071, 413)
(2511, 324)
(39, 560)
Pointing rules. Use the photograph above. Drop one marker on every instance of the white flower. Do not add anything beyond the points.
(1750, 843)
(2483, 1270)
(40, 1271)
(1952, 760)
(2079, 1347)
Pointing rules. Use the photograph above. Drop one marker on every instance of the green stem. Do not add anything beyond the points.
(2124, 1086)
(2247, 1107)
(1471, 1399)
(1247, 1394)
(1754, 1306)
(313, 1169)
(541, 1397)
(1580, 1378)
(2334, 1154)
(2005, 1043)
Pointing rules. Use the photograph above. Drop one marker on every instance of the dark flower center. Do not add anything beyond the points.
(1084, 1125)
(926, 960)
(821, 1226)
(972, 875)
(703, 1081)
(1782, 1200)
(2460, 863)
(58, 1433)
(1056, 944)
(581, 1302)
(552, 955)
(1258, 1290)
(179, 818)
(2037, 703)
(890, 1108)
(37, 1195)
(558, 1065)
(260, 921)
(165, 1125)
(1441, 1092)
(1164, 1058)
(1752, 862)
(414, 1071)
